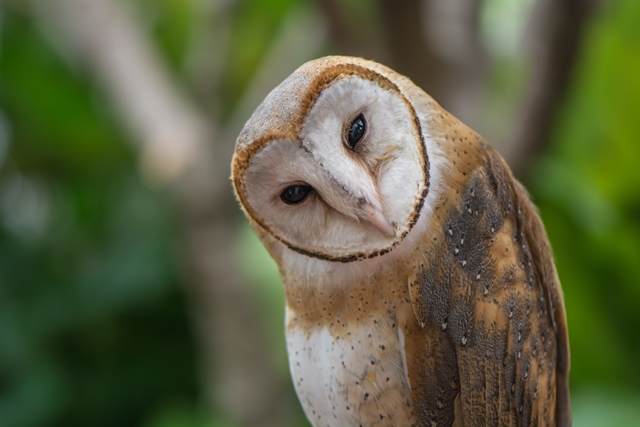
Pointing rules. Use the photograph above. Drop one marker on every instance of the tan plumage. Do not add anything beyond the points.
(419, 281)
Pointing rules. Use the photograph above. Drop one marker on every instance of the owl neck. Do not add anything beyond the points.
(346, 293)
(323, 289)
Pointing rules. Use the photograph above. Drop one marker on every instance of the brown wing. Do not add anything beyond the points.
(495, 328)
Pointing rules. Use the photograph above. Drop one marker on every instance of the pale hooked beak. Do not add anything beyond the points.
(375, 216)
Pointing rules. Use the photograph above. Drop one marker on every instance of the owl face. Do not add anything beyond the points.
(333, 164)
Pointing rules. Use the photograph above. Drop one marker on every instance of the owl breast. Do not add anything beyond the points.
(349, 374)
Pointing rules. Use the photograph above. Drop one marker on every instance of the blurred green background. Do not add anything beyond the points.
(111, 313)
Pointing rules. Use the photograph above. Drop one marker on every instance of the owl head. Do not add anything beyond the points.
(334, 162)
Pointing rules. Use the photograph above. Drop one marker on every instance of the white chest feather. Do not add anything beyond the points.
(359, 379)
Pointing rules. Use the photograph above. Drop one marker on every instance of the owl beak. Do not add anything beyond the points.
(375, 216)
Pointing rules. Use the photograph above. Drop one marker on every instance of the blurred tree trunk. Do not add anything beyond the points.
(437, 45)
(555, 36)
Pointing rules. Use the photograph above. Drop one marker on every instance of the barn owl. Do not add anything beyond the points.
(419, 282)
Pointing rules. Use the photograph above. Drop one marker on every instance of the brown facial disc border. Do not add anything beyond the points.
(243, 158)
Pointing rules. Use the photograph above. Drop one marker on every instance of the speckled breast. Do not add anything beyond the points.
(349, 374)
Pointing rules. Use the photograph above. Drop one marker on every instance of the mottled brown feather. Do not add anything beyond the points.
(491, 295)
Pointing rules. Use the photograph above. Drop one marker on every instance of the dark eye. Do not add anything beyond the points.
(356, 131)
(295, 194)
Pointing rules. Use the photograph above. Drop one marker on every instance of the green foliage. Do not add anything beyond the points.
(51, 108)
(92, 323)
(587, 191)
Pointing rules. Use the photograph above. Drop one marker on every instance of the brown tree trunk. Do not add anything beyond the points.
(556, 30)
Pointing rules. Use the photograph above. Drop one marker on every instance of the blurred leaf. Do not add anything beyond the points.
(181, 414)
(52, 109)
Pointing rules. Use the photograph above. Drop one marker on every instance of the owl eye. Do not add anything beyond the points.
(356, 131)
(295, 194)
